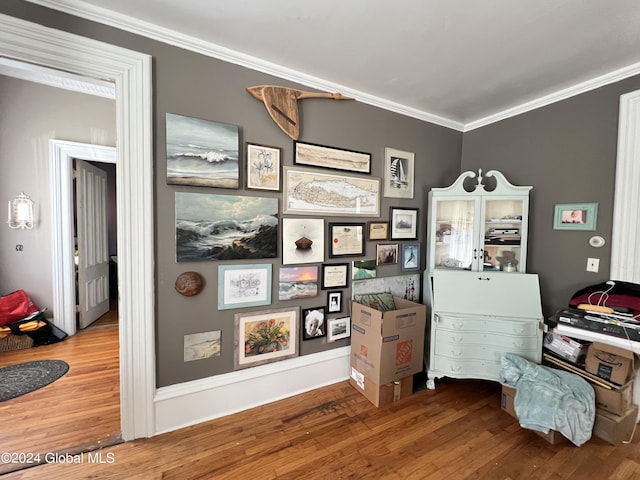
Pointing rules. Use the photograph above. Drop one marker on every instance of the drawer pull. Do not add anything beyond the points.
(456, 353)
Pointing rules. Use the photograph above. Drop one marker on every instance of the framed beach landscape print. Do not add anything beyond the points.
(202, 153)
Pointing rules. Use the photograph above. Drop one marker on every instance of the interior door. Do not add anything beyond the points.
(93, 255)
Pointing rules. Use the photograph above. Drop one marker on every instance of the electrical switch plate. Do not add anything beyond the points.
(593, 264)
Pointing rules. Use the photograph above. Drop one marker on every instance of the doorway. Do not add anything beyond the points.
(131, 73)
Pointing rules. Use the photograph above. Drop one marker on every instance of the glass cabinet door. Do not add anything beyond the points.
(455, 234)
(503, 233)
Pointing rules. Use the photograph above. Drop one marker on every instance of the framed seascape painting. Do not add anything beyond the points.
(321, 156)
(265, 336)
(202, 153)
(262, 169)
(398, 173)
(298, 282)
(244, 286)
(308, 192)
(225, 227)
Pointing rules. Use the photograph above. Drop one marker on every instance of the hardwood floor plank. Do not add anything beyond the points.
(456, 431)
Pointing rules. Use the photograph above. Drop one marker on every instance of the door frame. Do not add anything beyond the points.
(131, 72)
(61, 155)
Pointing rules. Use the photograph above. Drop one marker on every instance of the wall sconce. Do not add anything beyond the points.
(20, 212)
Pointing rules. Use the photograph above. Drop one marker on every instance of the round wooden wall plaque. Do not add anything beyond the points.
(189, 284)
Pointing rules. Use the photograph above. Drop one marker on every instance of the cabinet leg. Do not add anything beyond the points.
(431, 383)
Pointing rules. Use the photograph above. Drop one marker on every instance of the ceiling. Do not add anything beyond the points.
(456, 63)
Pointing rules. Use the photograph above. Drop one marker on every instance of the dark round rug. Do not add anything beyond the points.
(16, 380)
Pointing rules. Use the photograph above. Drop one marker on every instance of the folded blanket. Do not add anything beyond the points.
(550, 399)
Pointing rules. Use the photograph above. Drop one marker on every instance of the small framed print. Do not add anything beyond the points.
(398, 173)
(387, 254)
(338, 328)
(334, 302)
(244, 285)
(347, 239)
(575, 216)
(378, 230)
(410, 256)
(263, 167)
(335, 275)
(404, 223)
(314, 323)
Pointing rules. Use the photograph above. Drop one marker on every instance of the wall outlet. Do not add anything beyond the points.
(593, 264)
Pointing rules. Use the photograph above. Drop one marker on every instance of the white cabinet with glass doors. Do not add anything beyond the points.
(478, 224)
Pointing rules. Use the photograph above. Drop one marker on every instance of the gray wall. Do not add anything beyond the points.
(567, 152)
(30, 115)
(190, 84)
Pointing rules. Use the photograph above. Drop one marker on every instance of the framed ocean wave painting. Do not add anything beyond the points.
(225, 227)
(202, 153)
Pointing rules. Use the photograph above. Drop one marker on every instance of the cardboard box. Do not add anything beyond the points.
(388, 346)
(611, 363)
(568, 348)
(616, 400)
(506, 400)
(615, 429)
(507, 404)
(381, 395)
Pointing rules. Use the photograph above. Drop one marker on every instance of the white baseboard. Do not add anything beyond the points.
(189, 403)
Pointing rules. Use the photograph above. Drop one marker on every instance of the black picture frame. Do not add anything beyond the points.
(333, 158)
(314, 323)
(334, 301)
(335, 275)
(403, 223)
(346, 239)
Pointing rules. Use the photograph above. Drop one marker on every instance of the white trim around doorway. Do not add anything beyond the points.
(131, 73)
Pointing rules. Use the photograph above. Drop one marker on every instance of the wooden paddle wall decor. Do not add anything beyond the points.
(282, 105)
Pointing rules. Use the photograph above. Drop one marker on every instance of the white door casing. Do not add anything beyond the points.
(131, 73)
(93, 249)
(61, 156)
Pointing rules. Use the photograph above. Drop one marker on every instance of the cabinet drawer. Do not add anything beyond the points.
(470, 340)
(457, 367)
(508, 326)
(486, 352)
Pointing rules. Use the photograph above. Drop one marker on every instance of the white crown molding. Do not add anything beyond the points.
(170, 37)
(145, 29)
(56, 78)
(572, 91)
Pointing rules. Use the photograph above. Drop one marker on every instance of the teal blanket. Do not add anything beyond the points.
(550, 399)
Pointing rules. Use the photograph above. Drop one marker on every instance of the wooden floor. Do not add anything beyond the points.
(456, 432)
(79, 411)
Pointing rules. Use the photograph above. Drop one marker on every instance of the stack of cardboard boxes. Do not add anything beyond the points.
(386, 350)
(610, 370)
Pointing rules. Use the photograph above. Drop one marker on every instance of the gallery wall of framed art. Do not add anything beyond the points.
(277, 225)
